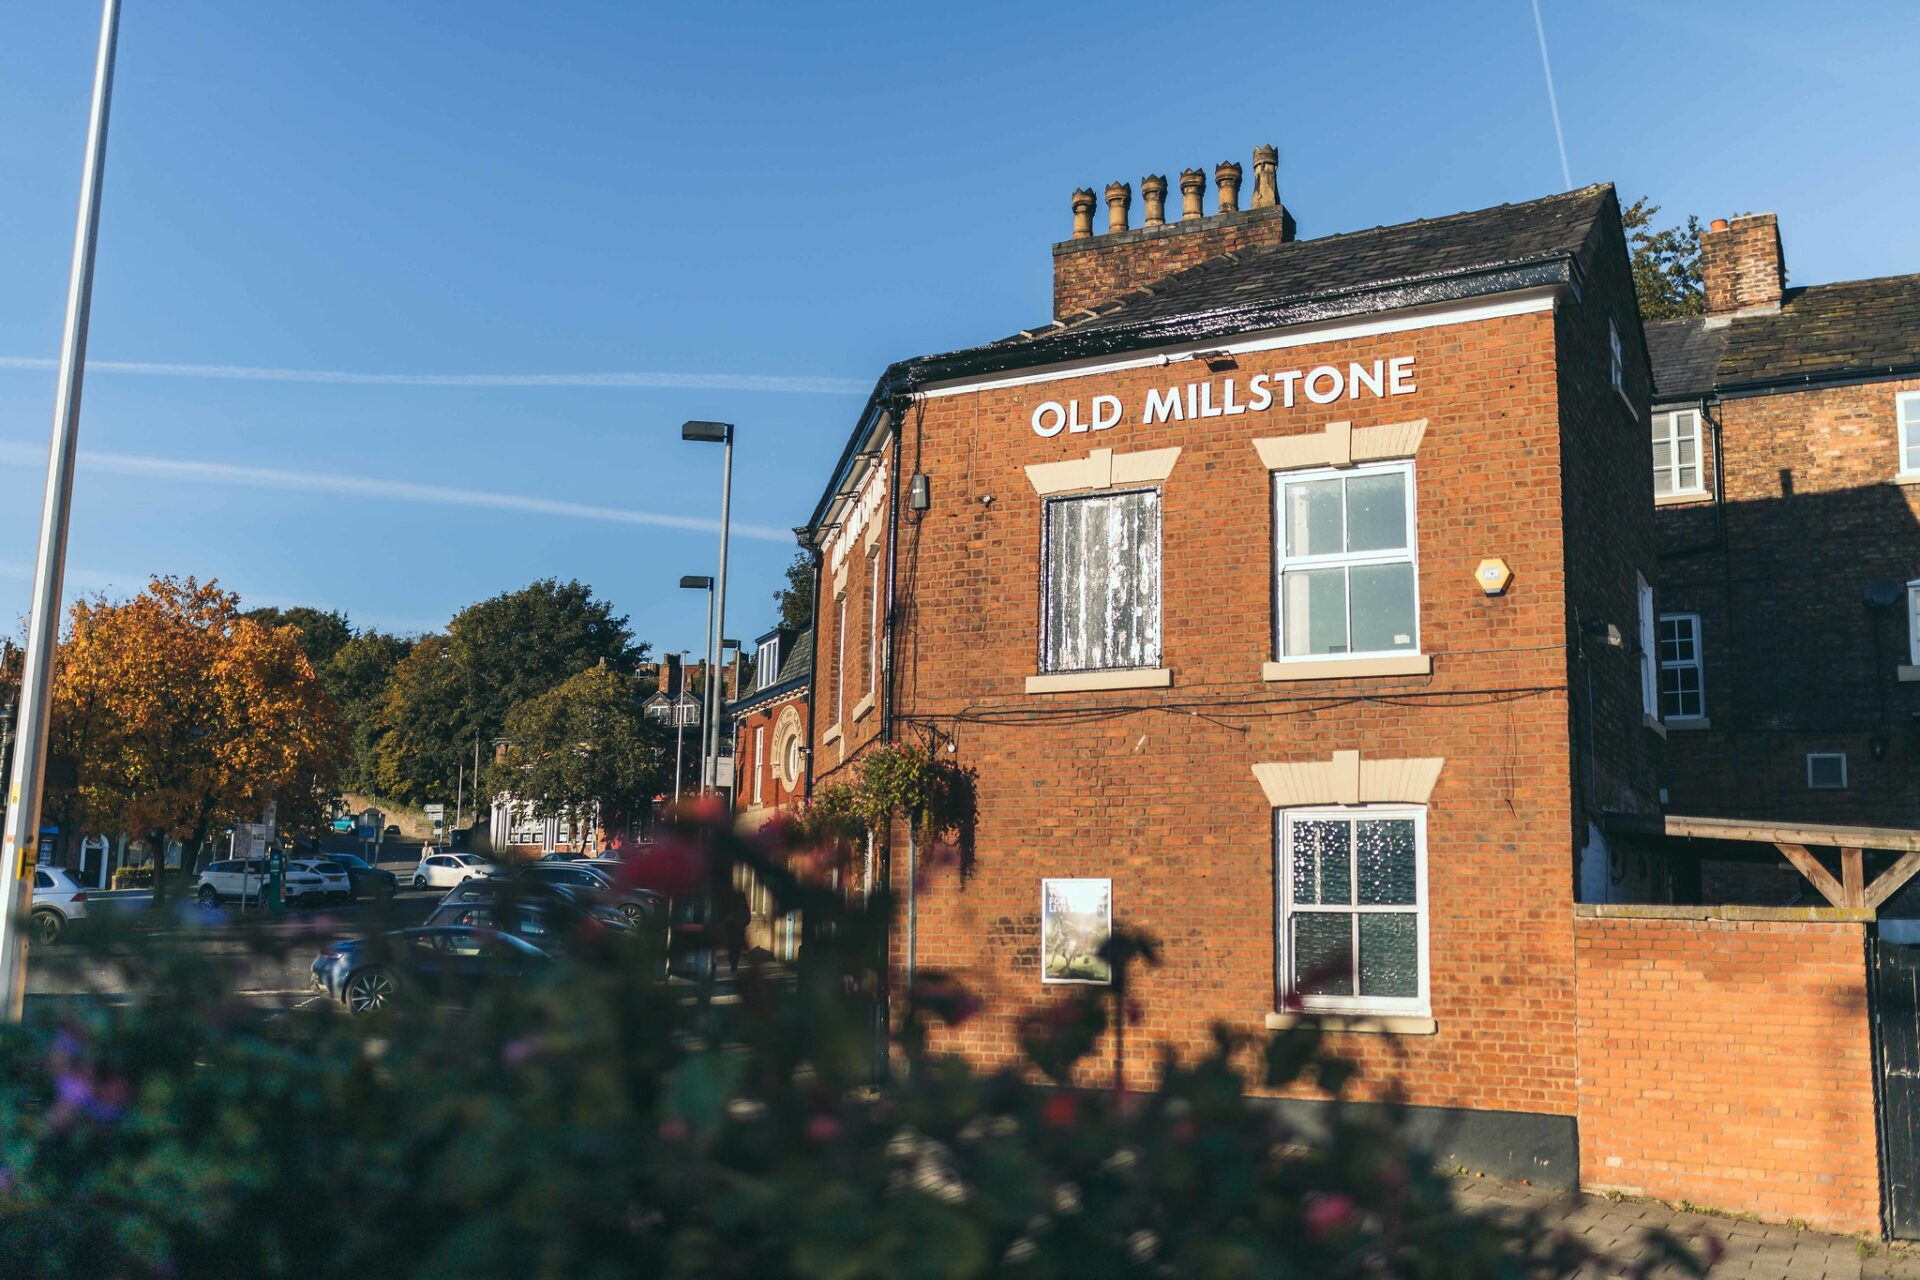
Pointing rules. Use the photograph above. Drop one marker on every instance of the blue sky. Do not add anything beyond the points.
(755, 207)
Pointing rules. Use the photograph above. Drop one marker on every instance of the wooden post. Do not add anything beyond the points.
(1809, 866)
(1853, 880)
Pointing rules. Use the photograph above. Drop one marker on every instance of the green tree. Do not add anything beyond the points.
(1666, 263)
(356, 677)
(421, 741)
(323, 632)
(582, 744)
(518, 645)
(796, 598)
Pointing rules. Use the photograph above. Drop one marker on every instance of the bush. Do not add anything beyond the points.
(133, 877)
(596, 1122)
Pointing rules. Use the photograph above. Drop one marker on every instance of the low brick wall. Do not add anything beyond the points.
(1726, 1060)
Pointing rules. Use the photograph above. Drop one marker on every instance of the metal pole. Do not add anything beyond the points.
(679, 750)
(19, 849)
(713, 638)
(720, 609)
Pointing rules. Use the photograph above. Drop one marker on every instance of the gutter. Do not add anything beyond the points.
(813, 668)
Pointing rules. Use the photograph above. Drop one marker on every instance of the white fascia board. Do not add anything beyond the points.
(1442, 314)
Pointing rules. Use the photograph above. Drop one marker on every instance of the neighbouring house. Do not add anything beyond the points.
(771, 746)
(1298, 602)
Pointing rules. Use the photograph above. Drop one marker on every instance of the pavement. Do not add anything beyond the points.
(1618, 1229)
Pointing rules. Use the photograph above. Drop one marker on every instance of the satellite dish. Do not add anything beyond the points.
(1884, 593)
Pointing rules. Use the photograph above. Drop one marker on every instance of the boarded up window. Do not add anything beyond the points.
(1102, 586)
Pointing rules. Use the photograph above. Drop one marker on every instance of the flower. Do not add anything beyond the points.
(1329, 1213)
(1060, 1111)
(822, 1129)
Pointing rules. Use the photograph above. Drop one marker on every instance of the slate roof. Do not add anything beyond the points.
(795, 669)
(1856, 328)
(1550, 241)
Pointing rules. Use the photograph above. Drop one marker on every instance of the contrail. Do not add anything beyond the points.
(805, 384)
(1553, 103)
(14, 453)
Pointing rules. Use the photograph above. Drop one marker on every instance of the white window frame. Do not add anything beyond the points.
(1913, 622)
(1415, 1006)
(840, 660)
(1649, 654)
(1344, 559)
(1841, 756)
(766, 663)
(759, 762)
(1671, 419)
(1617, 361)
(873, 622)
(1698, 663)
(1906, 419)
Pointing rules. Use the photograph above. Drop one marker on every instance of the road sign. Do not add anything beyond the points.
(436, 811)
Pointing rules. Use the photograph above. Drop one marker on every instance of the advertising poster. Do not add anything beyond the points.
(1076, 919)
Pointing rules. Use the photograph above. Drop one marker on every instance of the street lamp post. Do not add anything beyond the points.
(699, 582)
(679, 730)
(720, 433)
(20, 845)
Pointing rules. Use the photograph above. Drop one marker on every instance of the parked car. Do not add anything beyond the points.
(57, 902)
(540, 923)
(637, 905)
(392, 832)
(364, 879)
(335, 884)
(245, 880)
(443, 870)
(443, 963)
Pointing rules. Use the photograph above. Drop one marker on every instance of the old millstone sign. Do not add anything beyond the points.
(1298, 603)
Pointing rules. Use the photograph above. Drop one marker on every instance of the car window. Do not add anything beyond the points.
(41, 880)
(481, 917)
(426, 940)
(465, 944)
(348, 860)
(441, 862)
(534, 925)
(470, 860)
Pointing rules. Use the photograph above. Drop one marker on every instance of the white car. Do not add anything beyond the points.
(57, 902)
(334, 882)
(444, 870)
(243, 881)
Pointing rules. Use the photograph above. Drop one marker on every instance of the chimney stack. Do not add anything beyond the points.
(1119, 200)
(1742, 267)
(1266, 170)
(1083, 213)
(1226, 175)
(670, 675)
(1153, 190)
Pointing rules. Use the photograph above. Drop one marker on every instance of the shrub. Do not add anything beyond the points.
(133, 877)
(597, 1122)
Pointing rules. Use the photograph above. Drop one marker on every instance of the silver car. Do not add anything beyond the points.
(57, 903)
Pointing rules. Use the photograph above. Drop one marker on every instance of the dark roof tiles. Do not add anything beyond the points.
(1853, 328)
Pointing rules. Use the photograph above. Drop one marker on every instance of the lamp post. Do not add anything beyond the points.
(720, 433)
(699, 582)
(20, 844)
(679, 730)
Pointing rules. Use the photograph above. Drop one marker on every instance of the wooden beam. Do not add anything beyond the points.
(1892, 880)
(1809, 866)
(1853, 880)
(1894, 839)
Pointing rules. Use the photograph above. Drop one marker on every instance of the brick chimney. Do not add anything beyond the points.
(1091, 269)
(670, 675)
(1741, 265)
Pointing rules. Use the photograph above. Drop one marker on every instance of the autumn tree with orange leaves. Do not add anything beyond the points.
(182, 716)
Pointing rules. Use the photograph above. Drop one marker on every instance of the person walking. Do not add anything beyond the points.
(738, 913)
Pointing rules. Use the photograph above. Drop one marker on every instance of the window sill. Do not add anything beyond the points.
(1407, 664)
(1908, 675)
(1654, 724)
(831, 736)
(1688, 497)
(1690, 723)
(1086, 681)
(865, 705)
(1907, 477)
(1384, 1024)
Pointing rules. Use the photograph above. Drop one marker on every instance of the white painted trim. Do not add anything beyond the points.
(1346, 779)
(1694, 496)
(1360, 668)
(1906, 420)
(831, 736)
(1522, 302)
(1699, 663)
(1370, 1024)
(1102, 469)
(1419, 1006)
(862, 707)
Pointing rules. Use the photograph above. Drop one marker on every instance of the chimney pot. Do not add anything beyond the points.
(1119, 201)
(1719, 224)
(1266, 169)
(1193, 186)
(1153, 191)
(1227, 175)
(1083, 213)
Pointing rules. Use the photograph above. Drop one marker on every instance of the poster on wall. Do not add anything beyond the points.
(1076, 920)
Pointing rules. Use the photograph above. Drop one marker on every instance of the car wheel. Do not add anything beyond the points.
(634, 912)
(47, 926)
(419, 882)
(367, 991)
(208, 898)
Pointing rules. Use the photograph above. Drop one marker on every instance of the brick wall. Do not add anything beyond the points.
(1741, 266)
(1154, 788)
(1093, 270)
(1795, 661)
(1727, 1062)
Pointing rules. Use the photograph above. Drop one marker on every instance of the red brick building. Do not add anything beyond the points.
(1296, 602)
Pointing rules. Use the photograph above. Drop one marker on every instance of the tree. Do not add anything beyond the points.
(582, 747)
(323, 632)
(182, 715)
(519, 645)
(421, 729)
(1666, 263)
(356, 677)
(796, 598)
